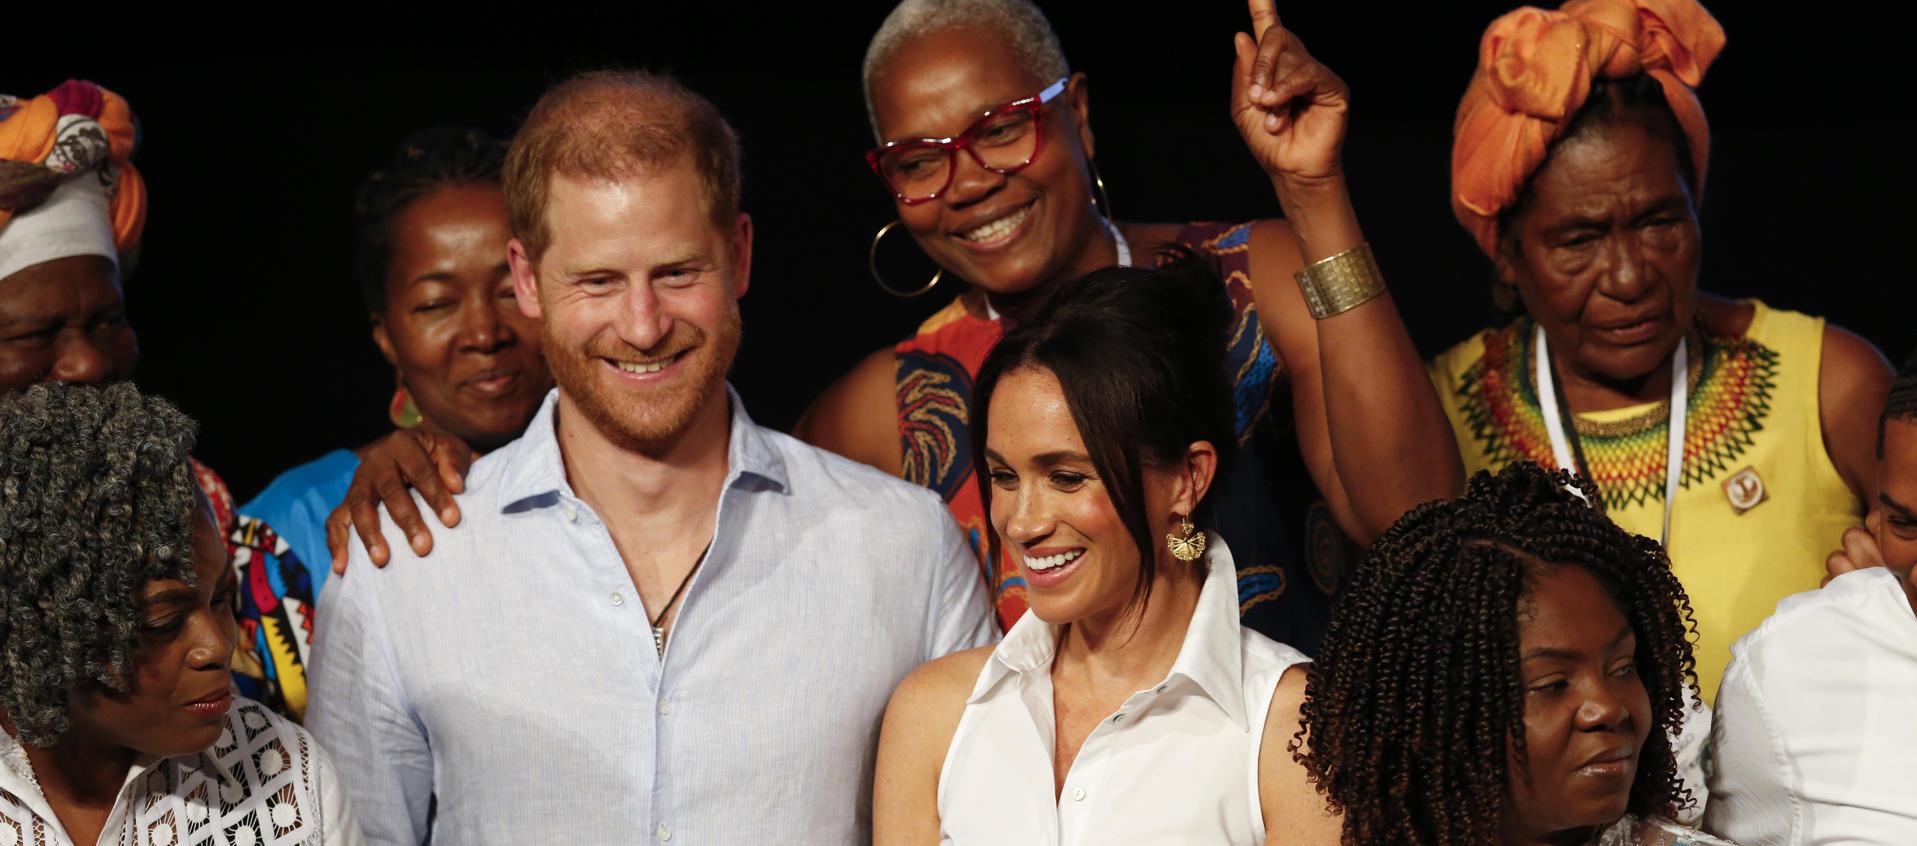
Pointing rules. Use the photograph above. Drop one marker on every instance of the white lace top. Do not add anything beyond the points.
(262, 783)
(1633, 831)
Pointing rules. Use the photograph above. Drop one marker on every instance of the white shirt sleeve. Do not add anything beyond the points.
(341, 828)
(961, 614)
(1814, 736)
(358, 710)
(1751, 803)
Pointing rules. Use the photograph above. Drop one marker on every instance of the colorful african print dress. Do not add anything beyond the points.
(1267, 504)
(275, 605)
(1760, 502)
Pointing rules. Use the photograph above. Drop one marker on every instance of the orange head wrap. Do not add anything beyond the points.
(1535, 70)
(76, 128)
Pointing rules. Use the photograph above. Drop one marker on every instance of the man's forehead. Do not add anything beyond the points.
(1897, 468)
(1900, 442)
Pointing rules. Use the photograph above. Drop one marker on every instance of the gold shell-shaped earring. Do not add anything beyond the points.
(1186, 544)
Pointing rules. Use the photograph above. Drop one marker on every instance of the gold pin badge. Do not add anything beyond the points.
(1745, 490)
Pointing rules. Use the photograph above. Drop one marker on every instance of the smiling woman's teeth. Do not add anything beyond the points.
(998, 228)
(1050, 561)
(653, 367)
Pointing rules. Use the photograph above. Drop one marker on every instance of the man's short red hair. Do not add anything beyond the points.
(614, 124)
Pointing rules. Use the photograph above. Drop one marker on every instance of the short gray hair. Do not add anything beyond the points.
(1031, 36)
(97, 497)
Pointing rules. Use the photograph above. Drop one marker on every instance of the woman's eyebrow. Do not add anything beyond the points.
(171, 595)
(1057, 457)
(1572, 654)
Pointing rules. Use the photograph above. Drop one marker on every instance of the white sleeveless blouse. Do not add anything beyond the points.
(1177, 763)
(262, 783)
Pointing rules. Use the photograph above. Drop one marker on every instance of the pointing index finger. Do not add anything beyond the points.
(1264, 16)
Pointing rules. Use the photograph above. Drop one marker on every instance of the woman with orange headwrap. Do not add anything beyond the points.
(72, 208)
(1739, 434)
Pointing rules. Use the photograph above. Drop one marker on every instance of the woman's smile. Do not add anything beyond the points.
(1050, 566)
(997, 230)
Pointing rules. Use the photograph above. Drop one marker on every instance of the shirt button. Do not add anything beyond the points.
(664, 833)
(1118, 717)
(1078, 794)
(572, 514)
(617, 599)
(665, 707)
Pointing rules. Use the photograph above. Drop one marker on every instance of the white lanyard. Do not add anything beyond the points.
(1674, 439)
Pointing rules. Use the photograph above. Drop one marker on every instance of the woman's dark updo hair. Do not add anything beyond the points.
(97, 498)
(1139, 353)
(429, 160)
(1416, 692)
(1632, 101)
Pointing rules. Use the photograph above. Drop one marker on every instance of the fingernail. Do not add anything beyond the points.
(448, 516)
(1257, 91)
(1271, 122)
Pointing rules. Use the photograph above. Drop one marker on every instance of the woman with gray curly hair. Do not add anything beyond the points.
(117, 637)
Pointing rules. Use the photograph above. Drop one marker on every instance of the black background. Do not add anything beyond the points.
(253, 146)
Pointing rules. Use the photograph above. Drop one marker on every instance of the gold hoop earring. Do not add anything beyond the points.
(872, 261)
(1186, 544)
(1098, 182)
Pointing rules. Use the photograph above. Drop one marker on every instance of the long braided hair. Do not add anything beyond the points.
(1416, 696)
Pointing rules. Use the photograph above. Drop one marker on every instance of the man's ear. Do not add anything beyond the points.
(525, 278)
(741, 255)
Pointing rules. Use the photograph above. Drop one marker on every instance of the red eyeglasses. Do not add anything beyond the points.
(1003, 140)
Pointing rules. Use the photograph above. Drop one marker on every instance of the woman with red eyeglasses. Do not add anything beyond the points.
(986, 151)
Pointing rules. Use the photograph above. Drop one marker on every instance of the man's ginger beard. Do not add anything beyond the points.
(649, 422)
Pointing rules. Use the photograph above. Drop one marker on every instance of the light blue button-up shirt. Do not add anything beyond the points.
(513, 676)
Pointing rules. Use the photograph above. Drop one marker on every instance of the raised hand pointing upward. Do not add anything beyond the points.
(1289, 108)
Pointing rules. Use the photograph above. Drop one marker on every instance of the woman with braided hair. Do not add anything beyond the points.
(117, 639)
(1507, 668)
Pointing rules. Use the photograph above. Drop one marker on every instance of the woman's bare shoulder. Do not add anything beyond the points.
(940, 683)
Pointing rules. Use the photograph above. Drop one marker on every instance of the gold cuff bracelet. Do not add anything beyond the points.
(1341, 283)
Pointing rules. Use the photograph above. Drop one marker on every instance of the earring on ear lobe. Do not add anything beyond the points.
(1098, 182)
(402, 410)
(1186, 544)
(872, 261)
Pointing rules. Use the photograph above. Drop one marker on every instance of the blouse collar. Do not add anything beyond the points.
(1211, 658)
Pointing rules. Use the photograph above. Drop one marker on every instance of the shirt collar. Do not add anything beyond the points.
(16, 778)
(1212, 657)
(535, 468)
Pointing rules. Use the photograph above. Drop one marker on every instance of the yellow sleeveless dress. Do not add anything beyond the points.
(1760, 504)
